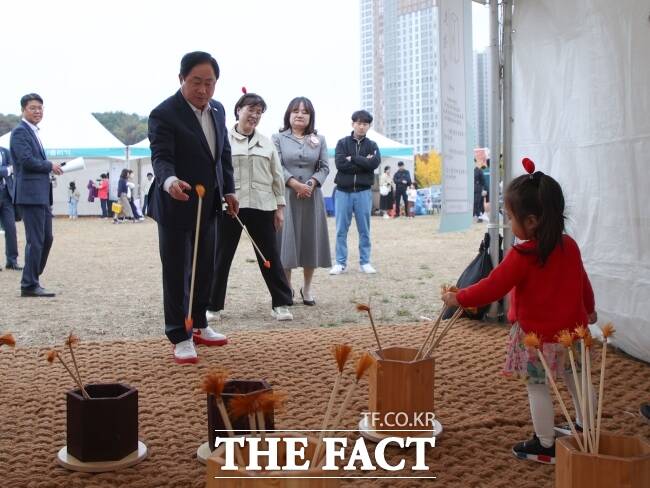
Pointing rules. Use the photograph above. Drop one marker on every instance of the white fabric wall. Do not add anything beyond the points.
(581, 109)
(94, 167)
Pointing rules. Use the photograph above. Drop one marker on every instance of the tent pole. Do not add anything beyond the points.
(508, 6)
(507, 111)
(494, 109)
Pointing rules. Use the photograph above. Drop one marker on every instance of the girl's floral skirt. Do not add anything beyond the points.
(524, 363)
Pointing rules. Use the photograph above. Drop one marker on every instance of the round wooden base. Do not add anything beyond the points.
(203, 452)
(73, 464)
(372, 435)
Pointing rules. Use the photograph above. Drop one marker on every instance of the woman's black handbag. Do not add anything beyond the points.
(479, 268)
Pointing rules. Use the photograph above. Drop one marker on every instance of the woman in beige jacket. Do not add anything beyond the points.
(259, 185)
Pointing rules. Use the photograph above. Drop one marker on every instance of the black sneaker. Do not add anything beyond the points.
(644, 410)
(565, 429)
(534, 451)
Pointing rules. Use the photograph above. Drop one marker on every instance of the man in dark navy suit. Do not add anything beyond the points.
(33, 193)
(7, 211)
(189, 146)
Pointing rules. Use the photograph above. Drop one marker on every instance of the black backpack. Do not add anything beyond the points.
(479, 268)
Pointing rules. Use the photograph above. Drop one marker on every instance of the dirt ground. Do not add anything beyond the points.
(108, 282)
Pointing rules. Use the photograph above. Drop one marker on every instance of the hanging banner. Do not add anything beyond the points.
(457, 131)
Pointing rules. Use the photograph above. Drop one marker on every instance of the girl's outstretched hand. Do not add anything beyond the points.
(449, 298)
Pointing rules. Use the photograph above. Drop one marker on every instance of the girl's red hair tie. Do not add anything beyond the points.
(529, 166)
(243, 90)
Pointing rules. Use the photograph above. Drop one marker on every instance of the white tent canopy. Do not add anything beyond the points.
(390, 147)
(69, 133)
(581, 99)
(391, 152)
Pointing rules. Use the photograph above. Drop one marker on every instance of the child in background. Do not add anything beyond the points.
(73, 200)
(102, 194)
(550, 292)
(412, 197)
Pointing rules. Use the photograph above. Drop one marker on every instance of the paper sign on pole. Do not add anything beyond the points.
(457, 132)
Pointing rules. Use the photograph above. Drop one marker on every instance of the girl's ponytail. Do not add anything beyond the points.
(551, 221)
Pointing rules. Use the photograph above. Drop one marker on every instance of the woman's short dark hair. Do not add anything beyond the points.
(362, 116)
(386, 168)
(124, 173)
(72, 185)
(195, 58)
(28, 98)
(251, 100)
(294, 104)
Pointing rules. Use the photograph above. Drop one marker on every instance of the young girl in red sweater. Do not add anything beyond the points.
(550, 291)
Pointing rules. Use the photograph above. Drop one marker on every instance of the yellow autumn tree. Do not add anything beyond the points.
(428, 169)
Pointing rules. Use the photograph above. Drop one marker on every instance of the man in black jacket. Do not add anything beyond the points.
(402, 179)
(7, 211)
(189, 146)
(356, 159)
(480, 190)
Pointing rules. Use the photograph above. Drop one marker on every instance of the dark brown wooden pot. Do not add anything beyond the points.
(105, 426)
(241, 426)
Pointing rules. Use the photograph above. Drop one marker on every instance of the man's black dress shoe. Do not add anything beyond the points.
(14, 267)
(310, 303)
(644, 410)
(36, 292)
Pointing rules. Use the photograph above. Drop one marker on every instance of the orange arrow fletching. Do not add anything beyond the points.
(189, 322)
(200, 190)
(267, 264)
(8, 340)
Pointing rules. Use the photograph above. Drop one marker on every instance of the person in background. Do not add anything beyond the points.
(356, 159)
(123, 199)
(7, 210)
(130, 192)
(102, 194)
(145, 193)
(92, 191)
(33, 193)
(480, 191)
(402, 181)
(259, 182)
(412, 195)
(303, 152)
(386, 192)
(73, 200)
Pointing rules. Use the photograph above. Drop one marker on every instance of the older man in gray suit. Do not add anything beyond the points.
(33, 193)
